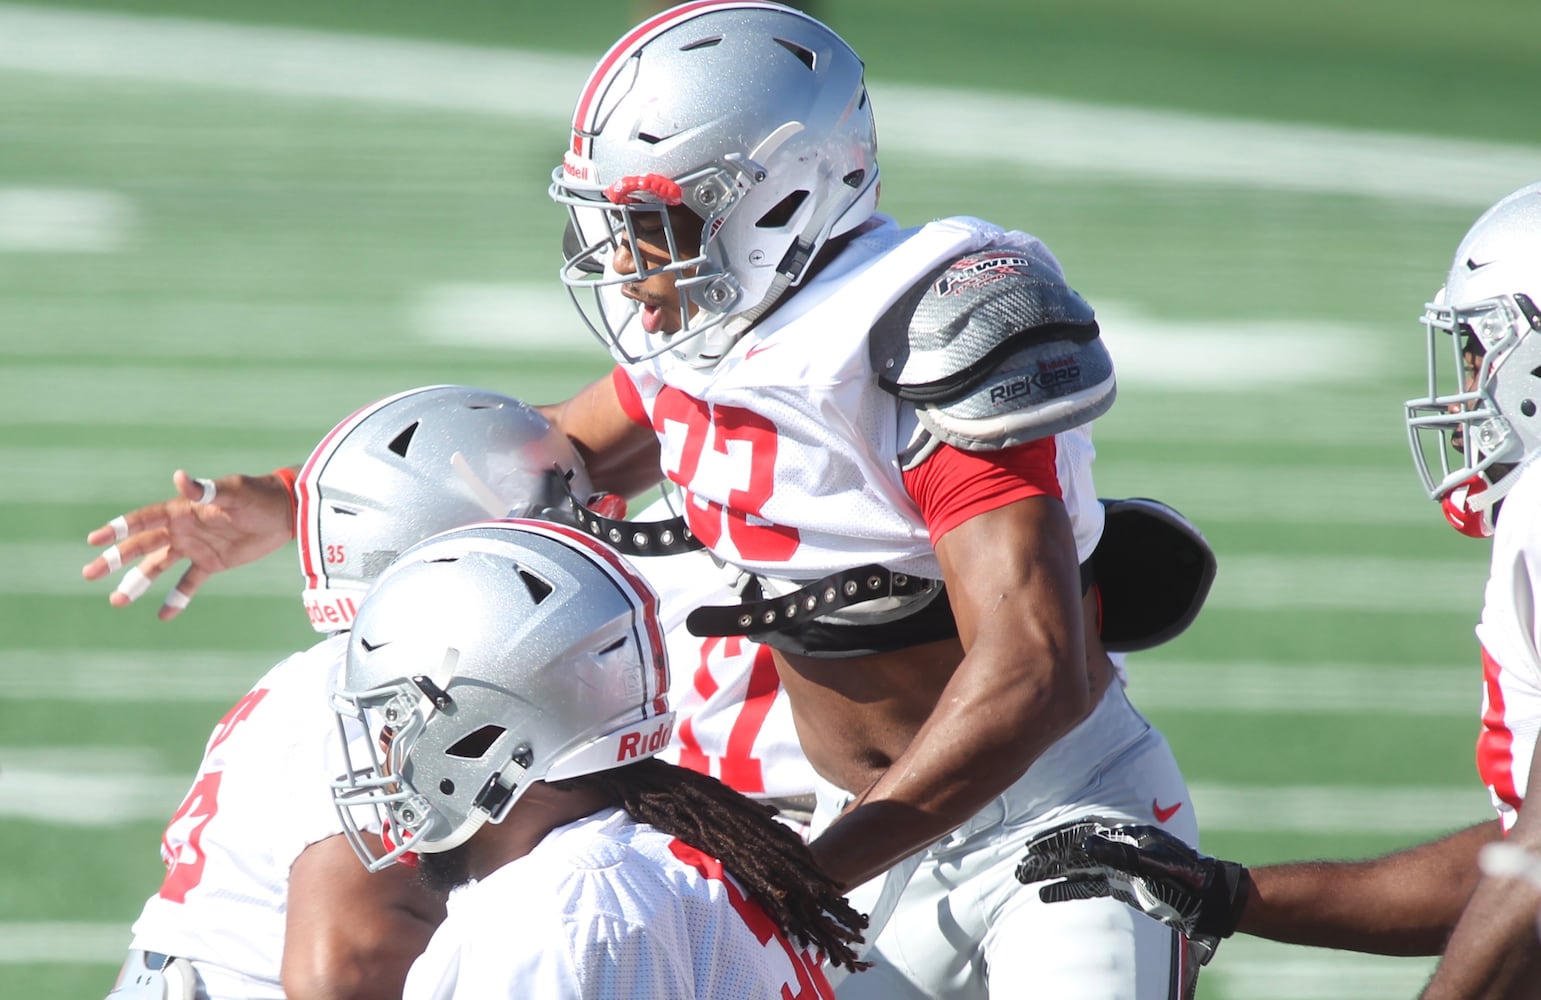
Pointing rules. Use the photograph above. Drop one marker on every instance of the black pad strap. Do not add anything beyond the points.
(832, 593)
(638, 538)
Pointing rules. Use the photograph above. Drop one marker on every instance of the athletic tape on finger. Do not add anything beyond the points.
(134, 584)
(113, 557)
(177, 600)
(209, 491)
(119, 526)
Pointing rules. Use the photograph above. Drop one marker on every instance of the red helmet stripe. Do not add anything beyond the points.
(619, 567)
(308, 517)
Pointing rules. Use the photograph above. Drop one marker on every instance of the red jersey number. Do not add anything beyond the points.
(182, 843)
(723, 427)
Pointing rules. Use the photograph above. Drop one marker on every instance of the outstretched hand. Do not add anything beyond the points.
(216, 524)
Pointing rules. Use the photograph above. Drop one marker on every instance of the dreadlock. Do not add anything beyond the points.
(770, 861)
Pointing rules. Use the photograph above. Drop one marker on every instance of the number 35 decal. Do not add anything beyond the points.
(744, 439)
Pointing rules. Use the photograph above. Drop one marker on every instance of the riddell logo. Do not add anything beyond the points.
(577, 167)
(636, 744)
(336, 611)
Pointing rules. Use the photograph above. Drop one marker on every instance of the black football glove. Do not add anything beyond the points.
(1144, 867)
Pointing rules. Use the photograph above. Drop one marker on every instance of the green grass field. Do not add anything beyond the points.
(216, 241)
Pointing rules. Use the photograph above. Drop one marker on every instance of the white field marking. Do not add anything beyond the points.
(1178, 354)
(210, 676)
(52, 569)
(110, 786)
(63, 220)
(944, 124)
(78, 786)
(1338, 809)
(1209, 492)
(1266, 970)
(312, 399)
(1272, 582)
(1227, 356)
(1214, 491)
(1245, 967)
(1339, 688)
(41, 474)
(1350, 583)
(525, 317)
(64, 942)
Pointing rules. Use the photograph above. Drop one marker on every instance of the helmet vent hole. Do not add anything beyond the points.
(617, 644)
(344, 511)
(804, 55)
(703, 43)
(475, 745)
(854, 178)
(403, 441)
(539, 589)
(782, 213)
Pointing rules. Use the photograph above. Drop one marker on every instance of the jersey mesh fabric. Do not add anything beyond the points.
(260, 798)
(732, 717)
(601, 909)
(788, 448)
(1510, 636)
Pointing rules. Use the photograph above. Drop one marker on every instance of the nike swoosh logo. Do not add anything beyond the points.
(1162, 815)
(756, 349)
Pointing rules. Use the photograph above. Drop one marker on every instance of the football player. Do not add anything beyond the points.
(513, 676)
(887, 430)
(1475, 435)
(262, 895)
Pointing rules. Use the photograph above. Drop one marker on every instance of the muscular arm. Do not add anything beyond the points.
(350, 934)
(621, 455)
(1013, 579)
(1401, 904)
(1494, 951)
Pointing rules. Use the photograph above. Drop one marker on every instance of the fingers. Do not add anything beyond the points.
(137, 579)
(1113, 853)
(1078, 887)
(178, 598)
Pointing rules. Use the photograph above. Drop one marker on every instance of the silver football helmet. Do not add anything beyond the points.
(755, 117)
(486, 658)
(413, 464)
(1479, 419)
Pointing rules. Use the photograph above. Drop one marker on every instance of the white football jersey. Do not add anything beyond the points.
(788, 448)
(610, 909)
(732, 719)
(1510, 634)
(260, 798)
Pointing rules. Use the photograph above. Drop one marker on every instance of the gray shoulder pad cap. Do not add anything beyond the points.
(995, 349)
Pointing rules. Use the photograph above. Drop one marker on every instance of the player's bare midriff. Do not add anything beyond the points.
(855, 716)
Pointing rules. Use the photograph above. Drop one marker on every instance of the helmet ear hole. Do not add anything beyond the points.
(783, 211)
(475, 745)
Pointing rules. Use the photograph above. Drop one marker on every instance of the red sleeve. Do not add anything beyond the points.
(631, 400)
(952, 486)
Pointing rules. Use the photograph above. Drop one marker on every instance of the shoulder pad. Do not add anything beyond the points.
(995, 349)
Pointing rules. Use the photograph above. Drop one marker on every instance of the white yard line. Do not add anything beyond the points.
(111, 785)
(1332, 688)
(1141, 145)
(1261, 583)
(64, 220)
(1243, 967)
